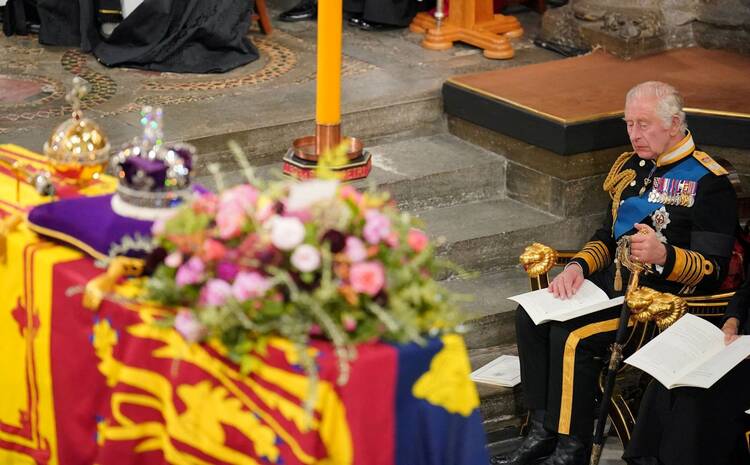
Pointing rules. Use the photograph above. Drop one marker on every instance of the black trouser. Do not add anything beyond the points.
(561, 362)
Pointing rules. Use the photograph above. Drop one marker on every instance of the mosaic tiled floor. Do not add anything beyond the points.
(378, 68)
(30, 87)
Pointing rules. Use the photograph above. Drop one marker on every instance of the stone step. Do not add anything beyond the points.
(501, 407)
(420, 173)
(490, 314)
(265, 143)
(490, 234)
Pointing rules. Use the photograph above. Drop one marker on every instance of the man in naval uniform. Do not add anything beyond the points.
(680, 210)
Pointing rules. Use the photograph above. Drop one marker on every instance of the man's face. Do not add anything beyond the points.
(646, 130)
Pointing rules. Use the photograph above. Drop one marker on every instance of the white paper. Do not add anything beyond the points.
(543, 306)
(503, 371)
(711, 370)
(691, 352)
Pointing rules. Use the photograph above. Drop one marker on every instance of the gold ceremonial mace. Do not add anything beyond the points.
(301, 159)
(636, 268)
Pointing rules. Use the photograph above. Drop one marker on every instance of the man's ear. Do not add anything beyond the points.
(674, 128)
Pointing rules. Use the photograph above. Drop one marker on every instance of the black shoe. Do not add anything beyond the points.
(537, 446)
(306, 9)
(569, 451)
(368, 26)
(354, 21)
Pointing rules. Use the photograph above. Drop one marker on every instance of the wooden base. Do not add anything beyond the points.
(491, 36)
(261, 15)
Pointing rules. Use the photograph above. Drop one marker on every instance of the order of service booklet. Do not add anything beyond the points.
(502, 371)
(691, 352)
(542, 306)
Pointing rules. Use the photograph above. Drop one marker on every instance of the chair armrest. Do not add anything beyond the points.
(538, 259)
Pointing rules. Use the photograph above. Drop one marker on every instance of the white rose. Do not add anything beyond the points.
(306, 258)
(287, 233)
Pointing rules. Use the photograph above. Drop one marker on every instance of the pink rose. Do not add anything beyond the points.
(392, 239)
(250, 285)
(215, 293)
(173, 260)
(213, 250)
(377, 226)
(367, 277)
(315, 330)
(287, 233)
(243, 197)
(306, 258)
(188, 325)
(230, 219)
(355, 249)
(417, 240)
(349, 322)
(190, 272)
(206, 203)
(347, 192)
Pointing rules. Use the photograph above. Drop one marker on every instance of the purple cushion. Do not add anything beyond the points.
(87, 223)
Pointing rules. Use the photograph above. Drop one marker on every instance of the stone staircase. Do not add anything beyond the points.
(460, 191)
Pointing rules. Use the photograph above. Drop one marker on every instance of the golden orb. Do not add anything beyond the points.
(78, 149)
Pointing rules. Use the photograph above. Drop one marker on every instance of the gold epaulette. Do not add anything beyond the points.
(710, 164)
(617, 180)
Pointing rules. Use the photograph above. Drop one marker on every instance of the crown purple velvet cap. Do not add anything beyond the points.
(151, 178)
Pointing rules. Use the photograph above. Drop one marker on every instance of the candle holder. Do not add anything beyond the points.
(301, 159)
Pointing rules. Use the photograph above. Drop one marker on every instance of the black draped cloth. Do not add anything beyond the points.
(187, 36)
(391, 12)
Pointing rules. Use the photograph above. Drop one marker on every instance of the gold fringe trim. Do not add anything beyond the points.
(616, 182)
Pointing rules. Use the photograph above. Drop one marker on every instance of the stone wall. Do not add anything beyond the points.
(637, 27)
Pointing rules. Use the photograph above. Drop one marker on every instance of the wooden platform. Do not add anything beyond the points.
(576, 105)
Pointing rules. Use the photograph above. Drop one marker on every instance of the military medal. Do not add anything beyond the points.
(660, 220)
(678, 192)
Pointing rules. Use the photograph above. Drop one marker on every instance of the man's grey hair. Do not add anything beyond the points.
(668, 104)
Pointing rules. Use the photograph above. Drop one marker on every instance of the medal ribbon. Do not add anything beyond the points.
(636, 208)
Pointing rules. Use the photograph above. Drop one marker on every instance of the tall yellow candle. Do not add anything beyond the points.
(328, 97)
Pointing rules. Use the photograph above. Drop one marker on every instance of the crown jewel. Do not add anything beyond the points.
(78, 148)
(153, 176)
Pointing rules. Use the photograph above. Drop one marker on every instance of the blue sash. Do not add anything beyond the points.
(636, 208)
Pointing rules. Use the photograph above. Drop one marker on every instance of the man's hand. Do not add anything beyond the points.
(730, 329)
(567, 283)
(645, 247)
